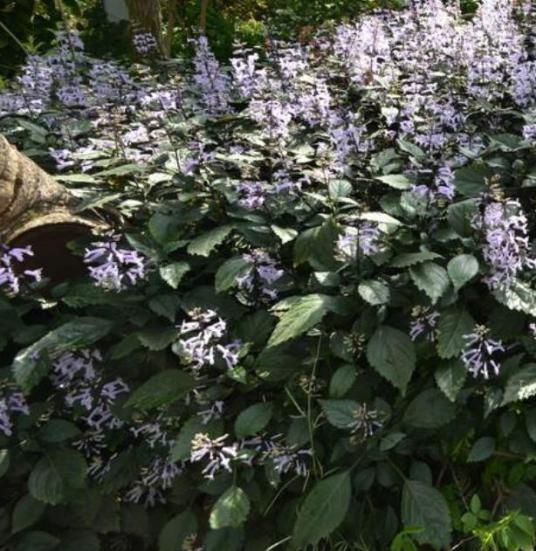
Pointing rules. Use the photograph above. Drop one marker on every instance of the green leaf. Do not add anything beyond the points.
(253, 419)
(176, 531)
(165, 228)
(231, 509)
(157, 338)
(285, 234)
(206, 242)
(521, 385)
(374, 292)
(79, 333)
(412, 149)
(323, 510)
(183, 445)
(165, 305)
(161, 389)
(304, 313)
(450, 377)
(26, 513)
(392, 353)
(471, 180)
(80, 540)
(460, 216)
(462, 269)
(410, 259)
(518, 296)
(4, 462)
(173, 273)
(453, 324)
(316, 246)
(340, 413)
(396, 181)
(482, 449)
(58, 430)
(391, 440)
(425, 507)
(341, 381)
(429, 410)
(430, 278)
(229, 271)
(57, 473)
(37, 541)
(122, 170)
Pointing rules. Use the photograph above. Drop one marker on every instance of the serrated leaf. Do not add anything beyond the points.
(429, 410)
(26, 513)
(450, 377)
(341, 381)
(323, 510)
(396, 181)
(55, 474)
(173, 273)
(471, 180)
(425, 507)
(518, 296)
(340, 413)
(462, 269)
(161, 389)
(406, 260)
(165, 305)
(176, 531)
(482, 449)
(58, 430)
(37, 541)
(285, 234)
(460, 216)
(157, 338)
(316, 246)
(430, 278)
(229, 271)
(231, 509)
(304, 313)
(453, 324)
(207, 242)
(374, 292)
(392, 354)
(78, 333)
(521, 385)
(253, 419)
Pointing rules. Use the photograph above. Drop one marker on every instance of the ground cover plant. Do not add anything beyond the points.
(311, 324)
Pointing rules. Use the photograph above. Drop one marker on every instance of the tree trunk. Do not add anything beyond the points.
(36, 210)
(145, 16)
(203, 16)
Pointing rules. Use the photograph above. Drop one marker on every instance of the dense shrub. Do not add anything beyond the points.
(313, 321)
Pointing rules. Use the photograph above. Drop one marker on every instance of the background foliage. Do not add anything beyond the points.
(311, 325)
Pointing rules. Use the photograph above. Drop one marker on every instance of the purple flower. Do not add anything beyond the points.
(144, 43)
(116, 269)
(506, 247)
(215, 452)
(261, 276)
(9, 276)
(362, 240)
(424, 323)
(479, 356)
(10, 403)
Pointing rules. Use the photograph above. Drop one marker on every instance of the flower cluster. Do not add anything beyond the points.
(355, 242)
(480, 354)
(262, 275)
(506, 247)
(144, 43)
(114, 268)
(10, 403)
(10, 276)
(423, 323)
(201, 338)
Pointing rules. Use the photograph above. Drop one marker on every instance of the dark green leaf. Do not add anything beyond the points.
(430, 278)
(450, 377)
(58, 430)
(374, 292)
(341, 381)
(161, 389)
(253, 419)
(173, 273)
(482, 449)
(392, 353)
(425, 507)
(521, 385)
(453, 324)
(323, 510)
(176, 531)
(462, 269)
(340, 413)
(206, 242)
(231, 509)
(429, 410)
(410, 259)
(27, 512)
(229, 271)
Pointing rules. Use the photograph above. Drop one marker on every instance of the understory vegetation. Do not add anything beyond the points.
(311, 320)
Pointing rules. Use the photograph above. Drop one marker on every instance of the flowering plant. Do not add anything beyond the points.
(315, 329)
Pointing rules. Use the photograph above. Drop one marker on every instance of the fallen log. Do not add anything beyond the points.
(38, 211)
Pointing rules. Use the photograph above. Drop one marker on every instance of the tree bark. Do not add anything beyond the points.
(145, 16)
(203, 16)
(36, 210)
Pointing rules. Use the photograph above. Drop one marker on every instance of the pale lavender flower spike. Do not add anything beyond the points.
(479, 353)
(116, 268)
(261, 276)
(8, 277)
(360, 241)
